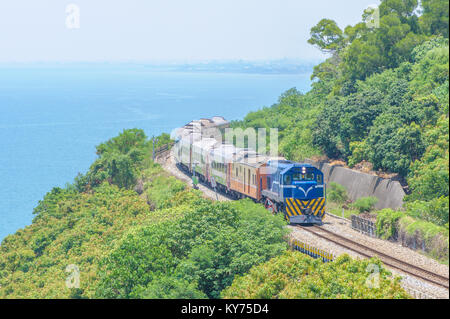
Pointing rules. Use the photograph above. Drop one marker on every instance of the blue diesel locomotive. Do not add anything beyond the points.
(298, 190)
(295, 189)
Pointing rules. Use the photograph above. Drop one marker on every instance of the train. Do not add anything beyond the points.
(297, 190)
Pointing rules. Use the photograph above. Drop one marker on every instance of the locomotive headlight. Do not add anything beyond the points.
(303, 170)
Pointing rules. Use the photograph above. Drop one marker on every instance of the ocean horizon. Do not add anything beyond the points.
(52, 117)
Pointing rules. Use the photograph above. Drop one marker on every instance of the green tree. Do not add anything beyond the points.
(393, 146)
(207, 247)
(135, 263)
(119, 162)
(434, 19)
(296, 276)
(124, 142)
(171, 287)
(327, 36)
(429, 176)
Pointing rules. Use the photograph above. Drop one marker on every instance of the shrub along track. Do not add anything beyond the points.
(388, 260)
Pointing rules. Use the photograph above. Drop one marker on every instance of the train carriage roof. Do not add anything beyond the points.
(224, 152)
(205, 143)
(250, 158)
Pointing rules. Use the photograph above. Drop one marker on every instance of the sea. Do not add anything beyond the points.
(53, 116)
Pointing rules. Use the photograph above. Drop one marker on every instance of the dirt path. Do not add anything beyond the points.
(167, 161)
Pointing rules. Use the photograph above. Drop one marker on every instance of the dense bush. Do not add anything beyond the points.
(387, 223)
(365, 204)
(426, 236)
(336, 193)
(428, 178)
(435, 210)
(168, 287)
(415, 233)
(69, 228)
(161, 189)
(207, 247)
(120, 160)
(295, 275)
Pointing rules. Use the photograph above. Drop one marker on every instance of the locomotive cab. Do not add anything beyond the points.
(300, 188)
(303, 183)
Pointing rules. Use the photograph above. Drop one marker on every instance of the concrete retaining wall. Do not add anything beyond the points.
(389, 193)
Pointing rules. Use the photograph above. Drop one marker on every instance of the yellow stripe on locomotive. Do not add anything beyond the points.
(296, 207)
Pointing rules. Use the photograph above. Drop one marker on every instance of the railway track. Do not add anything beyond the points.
(388, 260)
(359, 248)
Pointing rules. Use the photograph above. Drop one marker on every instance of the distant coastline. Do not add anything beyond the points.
(277, 67)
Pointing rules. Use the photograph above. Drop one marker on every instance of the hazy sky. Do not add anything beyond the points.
(167, 30)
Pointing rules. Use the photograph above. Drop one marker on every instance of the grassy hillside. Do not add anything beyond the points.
(158, 240)
(136, 232)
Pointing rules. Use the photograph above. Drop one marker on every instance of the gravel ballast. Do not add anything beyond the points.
(416, 287)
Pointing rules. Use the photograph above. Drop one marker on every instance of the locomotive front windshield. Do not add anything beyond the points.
(299, 177)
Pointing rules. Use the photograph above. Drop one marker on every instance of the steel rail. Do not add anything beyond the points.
(385, 258)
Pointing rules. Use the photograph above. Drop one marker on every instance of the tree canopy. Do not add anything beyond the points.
(297, 276)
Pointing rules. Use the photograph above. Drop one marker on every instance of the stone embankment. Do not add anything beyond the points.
(390, 193)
